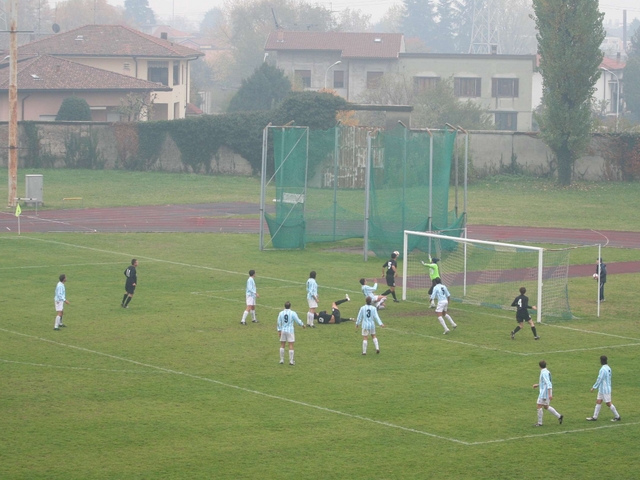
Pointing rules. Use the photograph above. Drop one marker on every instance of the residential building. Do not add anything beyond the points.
(352, 63)
(124, 50)
(45, 81)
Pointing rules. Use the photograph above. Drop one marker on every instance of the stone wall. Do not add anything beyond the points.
(488, 150)
(56, 140)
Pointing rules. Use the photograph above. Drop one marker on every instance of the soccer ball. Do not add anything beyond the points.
(397, 253)
(595, 276)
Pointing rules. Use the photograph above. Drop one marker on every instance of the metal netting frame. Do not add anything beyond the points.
(264, 183)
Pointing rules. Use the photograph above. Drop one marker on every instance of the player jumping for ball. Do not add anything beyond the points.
(392, 271)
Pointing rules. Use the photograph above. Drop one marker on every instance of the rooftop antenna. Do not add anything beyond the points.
(275, 20)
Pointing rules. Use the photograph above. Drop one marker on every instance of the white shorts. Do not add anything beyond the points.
(543, 401)
(312, 303)
(287, 337)
(605, 397)
(442, 306)
(251, 301)
(368, 331)
(59, 306)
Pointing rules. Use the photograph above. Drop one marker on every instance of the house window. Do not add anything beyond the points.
(504, 87)
(126, 66)
(374, 79)
(424, 84)
(338, 79)
(158, 72)
(176, 73)
(303, 78)
(506, 121)
(466, 87)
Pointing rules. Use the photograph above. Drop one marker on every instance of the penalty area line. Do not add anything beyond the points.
(563, 432)
(244, 389)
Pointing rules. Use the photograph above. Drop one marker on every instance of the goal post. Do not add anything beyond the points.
(487, 273)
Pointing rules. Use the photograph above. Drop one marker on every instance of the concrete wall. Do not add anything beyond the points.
(487, 150)
(53, 137)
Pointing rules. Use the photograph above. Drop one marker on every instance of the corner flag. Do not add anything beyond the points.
(18, 210)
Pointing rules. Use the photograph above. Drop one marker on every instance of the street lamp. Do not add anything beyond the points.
(327, 72)
(617, 94)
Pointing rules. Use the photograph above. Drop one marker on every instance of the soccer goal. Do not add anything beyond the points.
(487, 273)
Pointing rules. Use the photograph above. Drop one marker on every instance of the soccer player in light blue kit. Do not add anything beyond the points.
(286, 318)
(366, 316)
(545, 396)
(367, 291)
(442, 294)
(59, 299)
(312, 298)
(251, 296)
(603, 384)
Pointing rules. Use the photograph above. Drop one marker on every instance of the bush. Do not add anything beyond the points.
(74, 109)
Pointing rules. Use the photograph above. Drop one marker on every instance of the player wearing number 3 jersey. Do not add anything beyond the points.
(367, 317)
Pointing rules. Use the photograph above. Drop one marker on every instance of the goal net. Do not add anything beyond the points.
(486, 273)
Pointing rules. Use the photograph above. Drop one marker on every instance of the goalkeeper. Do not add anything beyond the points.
(434, 274)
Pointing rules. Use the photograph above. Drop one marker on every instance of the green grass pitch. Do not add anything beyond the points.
(174, 387)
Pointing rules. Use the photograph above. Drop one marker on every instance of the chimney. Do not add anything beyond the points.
(280, 36)
(164, 35)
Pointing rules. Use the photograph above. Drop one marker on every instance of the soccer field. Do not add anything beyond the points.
(175, 387)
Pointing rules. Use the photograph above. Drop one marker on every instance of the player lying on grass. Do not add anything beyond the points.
(522, 314)
(325, 318)
(367, 291)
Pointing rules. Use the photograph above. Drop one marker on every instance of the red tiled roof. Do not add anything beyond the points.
(612, 63)
(193, 110)
(107, 41)
(53, 73)
(351, 45)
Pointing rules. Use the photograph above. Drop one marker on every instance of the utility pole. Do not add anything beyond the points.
(13, 104)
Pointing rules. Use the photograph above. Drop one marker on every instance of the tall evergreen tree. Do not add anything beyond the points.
(263, 90)
(464, 25)
(139, 12)
(570, 33)
(418, 20)
(631, 77)
(444, 37)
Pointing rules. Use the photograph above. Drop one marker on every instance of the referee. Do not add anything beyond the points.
(130, 285)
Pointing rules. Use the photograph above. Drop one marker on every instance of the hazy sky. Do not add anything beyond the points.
(195, 9)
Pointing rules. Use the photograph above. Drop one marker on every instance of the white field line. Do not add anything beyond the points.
(445, 338)
(309, 405)
(170, 262)
(62, 265)
(243, 389)
(563, 432)
(44, 365)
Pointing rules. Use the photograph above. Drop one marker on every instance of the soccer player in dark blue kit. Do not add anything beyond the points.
(391, 266)
(521, 302)
(130, 284)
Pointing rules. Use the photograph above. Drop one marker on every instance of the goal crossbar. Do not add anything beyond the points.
(465, 242)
